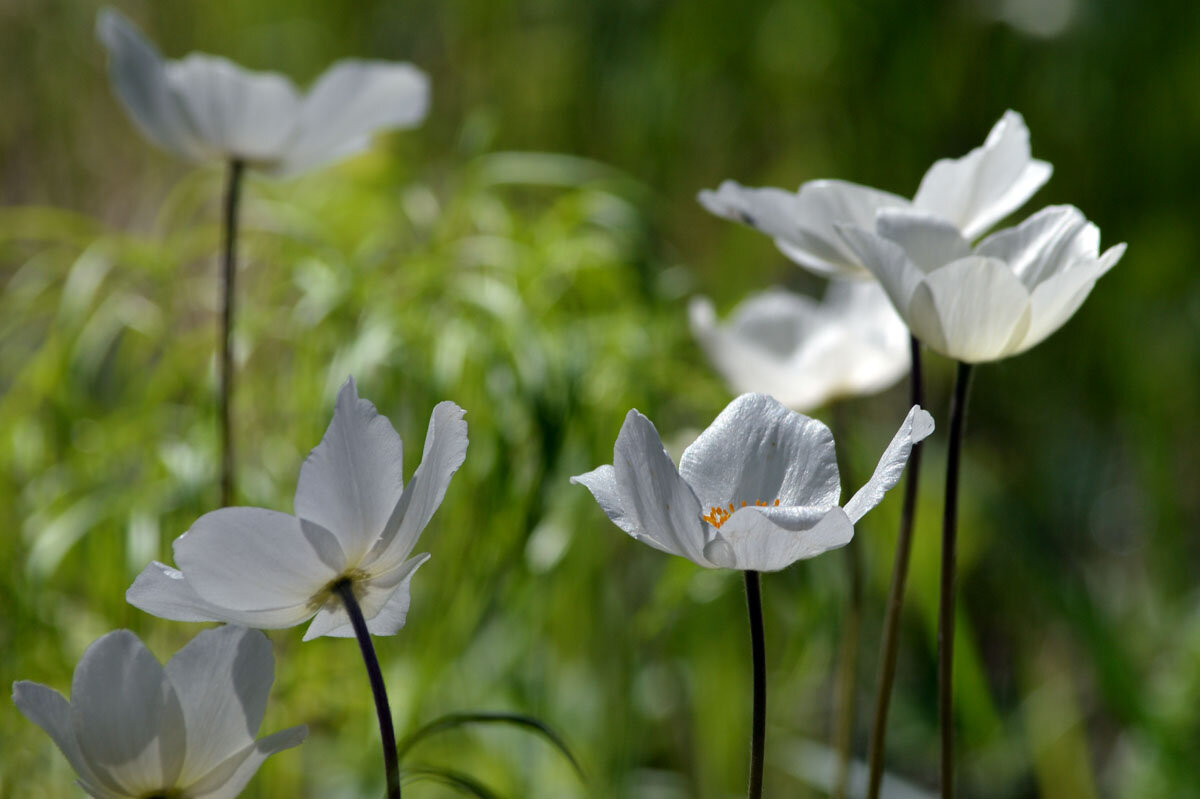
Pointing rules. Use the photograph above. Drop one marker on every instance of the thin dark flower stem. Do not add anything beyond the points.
(758, 729)
(391, 761)
(233, 187)
(890, 647)
(958, 412)
(846, 676)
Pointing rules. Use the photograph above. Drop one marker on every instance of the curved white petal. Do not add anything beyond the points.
(887, 261)
(768, 210)
(136, 72)
(351, 481)
(1054, 301)
(1044, 244)
(972, 310)
(48, 709)
(166, 593)
(929, 241)
(222, 678)
(656, 499)
(916, 427)
(384, 605)
(126, 716)
(445, 450)
(252, 559)
(602, 482)
(235, 112)
(820, 206)
(770, 539)
(757, 450)
(988, 183)
(349, 102)
(228, 778)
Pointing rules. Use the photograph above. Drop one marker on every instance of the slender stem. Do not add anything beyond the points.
(890, 647)
(391, 761)
(846, 676)
(233, 187)
(758, 729)
(958, 412)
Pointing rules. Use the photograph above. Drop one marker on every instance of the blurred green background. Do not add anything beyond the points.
(528, 253)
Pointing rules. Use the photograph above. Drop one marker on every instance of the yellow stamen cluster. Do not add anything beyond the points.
(717, 516)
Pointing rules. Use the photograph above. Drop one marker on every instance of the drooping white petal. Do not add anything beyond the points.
(445, 450)
(1043, 244)
(770, 539)
(166, 593)
(768, 210)
(350, 483)
(1054, 301)
(252, 559)
(972, 310)
(820, 206)
(227, 779)
(384, 605)
(237, 113)
(349, 102)
(988, 183)
(126, 716)
(656, 499)
(916, 427)
(222, 678)
(602, 482)
(137, 74)
(887, 261)
(929, 241)
(757, 450)
(48, 709)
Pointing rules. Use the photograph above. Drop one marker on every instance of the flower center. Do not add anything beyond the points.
(328, 598)
(718, 515)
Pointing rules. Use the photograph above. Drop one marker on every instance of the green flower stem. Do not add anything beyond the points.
(233, 187)
(890, 647)
(391, 760)
(758, 729)
(958, 412)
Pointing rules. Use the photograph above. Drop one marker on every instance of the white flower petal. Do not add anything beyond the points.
(222, 678)
(1054, 301)
(236, 112)
(252, 559)
(972, 310)
(888, 262)
(350, 483)
(126, 716)
(820, 206)
(757, 450)
(988, 183)
(349, 102)
(656, 499)
(48, 709)
(929, 241)
(139, 80)
(166, 593)
(770, 539)
(768, 210)
(1043, 244)
(384, 605)
(602, 482)
(445, 450)
(916, 427)
(228, 778)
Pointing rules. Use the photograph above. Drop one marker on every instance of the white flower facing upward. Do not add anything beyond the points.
(1002, 297)
(204, 107)
(133, 728)
(971, 193)
(806, 353)
(757, 491)
(355, 522)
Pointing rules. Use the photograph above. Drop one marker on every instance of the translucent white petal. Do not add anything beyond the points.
(166, 593)
(49, 710)
(384, 605)
(137, 74)
(916, 427)
(889, 264)
(1045, 243)
(757, 450)
(1056, 300)
(237, 113)
(222, 678)
(972, 310)
(656, 499)
(929, 241)
(350, 483)
(126, 716)
(770, 539)
(988, 183)
(820, 206)
(349, 102)
(602, 482)
(228, 778)
(252, 559)
(769, 210)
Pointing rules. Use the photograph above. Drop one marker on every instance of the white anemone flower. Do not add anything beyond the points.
(206, 108)
(133, 728)
(1002, 297)
(971, 193)
(804, 353)
(757, 491)
(355, 522)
